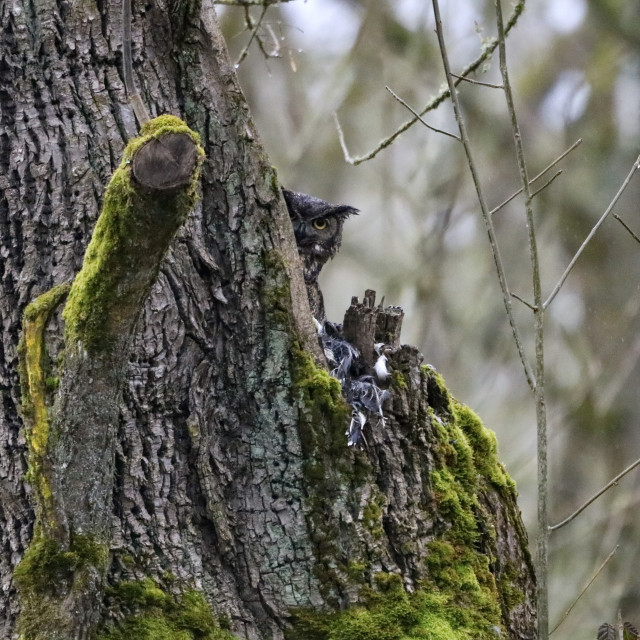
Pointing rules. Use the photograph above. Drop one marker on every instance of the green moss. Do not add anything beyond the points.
(153, 614)
(356, 571)
(372, 513)
(458, 599)
(511, 594)
(126, 247)
(275, 295)
(156, 128)
(484, 445)
(36, 388)
(325, 414)
(47, 565)
(398, 380)
(390, 613)
(47, 572)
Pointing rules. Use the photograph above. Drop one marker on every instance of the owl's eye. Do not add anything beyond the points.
(320, 224)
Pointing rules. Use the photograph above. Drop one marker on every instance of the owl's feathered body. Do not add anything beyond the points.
(318, 229)
(317, 225)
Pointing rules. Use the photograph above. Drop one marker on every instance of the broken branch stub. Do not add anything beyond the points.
(72, 438)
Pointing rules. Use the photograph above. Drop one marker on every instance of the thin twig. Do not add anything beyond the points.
(547, 168)
(542, 590)
(557, 174)
(524, 302)
(624, 224)
(137, 105)
(417, 115)
(482, 84)
(275, 52)
(254, 32)
(506, 295)
(625, 184)
(593, 577)
(488, 49)
(608, 486)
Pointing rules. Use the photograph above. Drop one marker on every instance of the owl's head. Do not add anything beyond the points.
(318, 229)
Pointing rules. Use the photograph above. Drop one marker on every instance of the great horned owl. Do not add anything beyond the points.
(318, 229)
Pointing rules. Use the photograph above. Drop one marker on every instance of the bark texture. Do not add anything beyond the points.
(234, 490)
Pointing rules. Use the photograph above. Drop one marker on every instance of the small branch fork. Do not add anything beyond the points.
(418, 116)
(593, 498)
(436, 101)
(603, 217)
(255, 27)
(575, 145)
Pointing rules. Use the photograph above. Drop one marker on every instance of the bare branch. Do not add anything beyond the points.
(417, 115)
(625, 184)
(254, 32)
(506, 295)
(436, 101)
(591, 580)
(524, 302)
(624, 224)
(482, 84)
(343, 143)
(557, 174)
(539, 391)
(545, 170)
(608, 486)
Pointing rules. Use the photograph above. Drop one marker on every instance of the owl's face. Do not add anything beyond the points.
(318, 229)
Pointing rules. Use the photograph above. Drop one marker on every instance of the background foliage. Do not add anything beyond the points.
(420, 239)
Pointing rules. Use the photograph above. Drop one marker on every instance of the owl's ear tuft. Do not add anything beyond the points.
(344, 211)
(309, 207)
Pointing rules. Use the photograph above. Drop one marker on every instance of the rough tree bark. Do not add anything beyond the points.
(237, 507)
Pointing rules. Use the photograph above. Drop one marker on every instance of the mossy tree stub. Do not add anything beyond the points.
(72, 442)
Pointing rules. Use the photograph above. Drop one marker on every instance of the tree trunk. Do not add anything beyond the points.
(237, 506)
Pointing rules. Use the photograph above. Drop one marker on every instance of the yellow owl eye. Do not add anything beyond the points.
(320, 224)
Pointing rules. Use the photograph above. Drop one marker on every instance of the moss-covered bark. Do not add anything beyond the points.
(412, 548)
(237, 502)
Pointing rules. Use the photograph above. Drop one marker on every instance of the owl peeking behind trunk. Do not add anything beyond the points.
(318, 229)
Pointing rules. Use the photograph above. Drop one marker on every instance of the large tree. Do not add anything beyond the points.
(174, 463)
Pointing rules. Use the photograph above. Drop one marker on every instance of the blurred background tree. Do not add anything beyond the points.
(420, 240)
